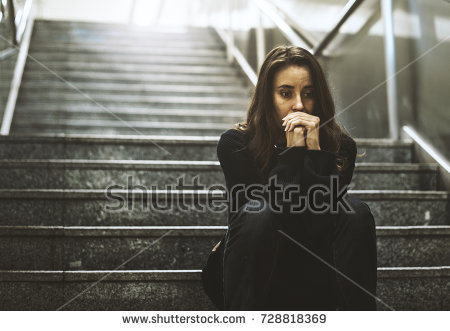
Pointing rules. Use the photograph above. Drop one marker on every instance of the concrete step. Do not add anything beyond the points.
(137, 58)
(149, 68)
(133, 50)
(43, 34)
(196, 102)
(30, 88)
(134, 114)
(399, 288)
(61, 25)
(98, 39)
(84, 107)
(118, 126)
(123, 32)
(139, 206)
(157, 248)
(98, 174)
(139, 147)
(388, 176)
(174, 44)
(156, 78)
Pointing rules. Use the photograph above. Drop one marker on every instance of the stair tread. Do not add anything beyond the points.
(100, 193)
(186, 231)
(185, 164)
(188, 275)
(211, 140)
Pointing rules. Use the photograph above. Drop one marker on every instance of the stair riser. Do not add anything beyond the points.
(404, 213)
(191, 102)
(45, 34)
(132, 50)
(397, 154)
(53, 25)
(161, 117)
(48, 108)
(188, 295)
(87, 212)
(394, 181)
(150, 68)
(101, 41)
(154, 103)
(67, 93)
(157, 151)
(132, 295)
(145, 151)
(129, 59)
(32, 129)
(43, 178)
(180, 253)
(64, 94)
(178, 46)
(414, 293)
(137, 78)
(74, 36)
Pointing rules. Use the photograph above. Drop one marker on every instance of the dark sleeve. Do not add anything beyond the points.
(300, 166)
(348, 150)
(308, 167)
(294, 166)
(236, 165)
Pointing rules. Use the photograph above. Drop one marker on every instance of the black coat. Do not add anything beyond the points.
(295, 165)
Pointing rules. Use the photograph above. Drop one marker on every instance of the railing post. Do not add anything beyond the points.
(230, 43)
(260, 41)
(12, 23)
(389, 57)
(132, 10)
(2, 10)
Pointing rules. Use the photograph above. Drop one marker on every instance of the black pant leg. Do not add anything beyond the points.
(249, 259)
(355, 255)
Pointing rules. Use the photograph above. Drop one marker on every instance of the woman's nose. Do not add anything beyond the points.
(298, 103)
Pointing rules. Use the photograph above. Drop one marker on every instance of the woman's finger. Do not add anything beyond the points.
(300, 114)
(299, 121)
(294, 122)
(314, 121)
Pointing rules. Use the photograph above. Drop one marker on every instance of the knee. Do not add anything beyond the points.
(360, 220)
(258, 224)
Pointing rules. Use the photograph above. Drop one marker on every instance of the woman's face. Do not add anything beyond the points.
(293, 91)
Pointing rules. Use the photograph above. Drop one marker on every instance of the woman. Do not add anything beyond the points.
(275, 256)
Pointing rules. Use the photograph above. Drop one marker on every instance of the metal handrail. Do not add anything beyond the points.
(22, 19)
(302, 33)
(425, 152)
(18, 22)
(12, 23)
(278, 17)
(346, 12)
(2, 10)
(390, 68)
(296, 37)
(300, 36)
(287, 31)
(18, 70)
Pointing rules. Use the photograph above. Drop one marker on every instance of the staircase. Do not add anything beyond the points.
(174, 93)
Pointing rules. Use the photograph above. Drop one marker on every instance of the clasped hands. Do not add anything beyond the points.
(300, 125)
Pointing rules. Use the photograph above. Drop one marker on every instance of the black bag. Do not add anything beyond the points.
(212, 274)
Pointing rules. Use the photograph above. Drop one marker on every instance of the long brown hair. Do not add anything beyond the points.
(261, 121)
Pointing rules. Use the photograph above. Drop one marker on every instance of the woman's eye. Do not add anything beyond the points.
(308, 94)
(285, 94)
